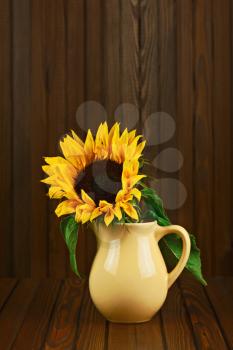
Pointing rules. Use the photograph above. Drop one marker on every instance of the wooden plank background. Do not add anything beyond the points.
(172, 56)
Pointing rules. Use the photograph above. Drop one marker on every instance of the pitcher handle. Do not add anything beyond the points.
(162, 231)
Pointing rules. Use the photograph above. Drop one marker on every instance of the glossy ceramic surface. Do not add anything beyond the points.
(129, 280)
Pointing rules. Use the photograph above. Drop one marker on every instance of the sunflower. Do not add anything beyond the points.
(97, 177)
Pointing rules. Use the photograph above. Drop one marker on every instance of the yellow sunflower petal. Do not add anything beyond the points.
(78, 214)
(87, 199)
(55, 160)
(117, 212)
(130, 210)
(86, 215)
(114, 129)
(136, 193)
(70, 147)
(109, 216)
(131, 136)
(139, 149)
(77, 139)
(55, 192)
(89, 145)
(66, 207)
(96, 212)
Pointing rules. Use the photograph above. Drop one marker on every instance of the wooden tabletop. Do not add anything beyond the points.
(55, 314)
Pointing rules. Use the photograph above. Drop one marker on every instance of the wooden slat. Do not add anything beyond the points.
(36, 322)
(176, 324)
(149, 334)
(75, 59)
(167, 86)
(5, 139)
(121, 336)
(92, 327)
(21, 137)
(207, 332)
(129, 51)
(203, 139)
(38, 212)
(63, 325)
(136, 336)
(14, 312)
(184, 119)
(222, 115)
(56, 109)
(93, 82)
(6, 287)
(220, 292)
(149, 76)
(111, 57)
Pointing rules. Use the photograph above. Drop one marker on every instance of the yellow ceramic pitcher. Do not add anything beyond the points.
(129, 279)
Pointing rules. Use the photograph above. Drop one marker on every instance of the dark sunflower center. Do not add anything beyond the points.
(101, 180)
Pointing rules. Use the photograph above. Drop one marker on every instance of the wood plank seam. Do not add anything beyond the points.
(9, 295)
(78, 316)
(52, 312)
(218, 320)
(188, 314)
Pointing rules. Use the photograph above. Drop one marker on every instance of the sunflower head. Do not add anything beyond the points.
(98, 177)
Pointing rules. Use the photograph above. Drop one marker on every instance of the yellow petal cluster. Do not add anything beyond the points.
(123, 148)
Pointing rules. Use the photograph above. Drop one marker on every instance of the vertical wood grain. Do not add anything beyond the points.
(56, 111)
(184, 119)
(6, 248)
(167, 85)
(178, 334)
(21, 136)
(38, 147)
(93, 81)
(149, 74)
(75, 61)
(222, 138)
(111, 57)
(203, 134)
(164, 55)
(129, 50)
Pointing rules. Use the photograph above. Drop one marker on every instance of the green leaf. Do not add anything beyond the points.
(172, 242)
(69, 230)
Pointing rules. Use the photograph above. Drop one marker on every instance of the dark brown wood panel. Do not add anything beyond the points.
(13, 313)
(37, 318)
(203, 130)
(177, 334)
(7, 286)
(222, 133)
(6, 258)
(21, 185)
(184, 121)
(55, 314)
(75, 61)
(63, 323)
(38, 121)
(220, 291)
(207, 333)
(149, 55)
(56, 112)
(92, 327)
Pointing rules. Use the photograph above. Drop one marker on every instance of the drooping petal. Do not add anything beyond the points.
(96, 212)
(130, 210)
(108, 218)
(87, 199)
(86, 215)
(66, 207)
(117, 212)
(136, 193)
